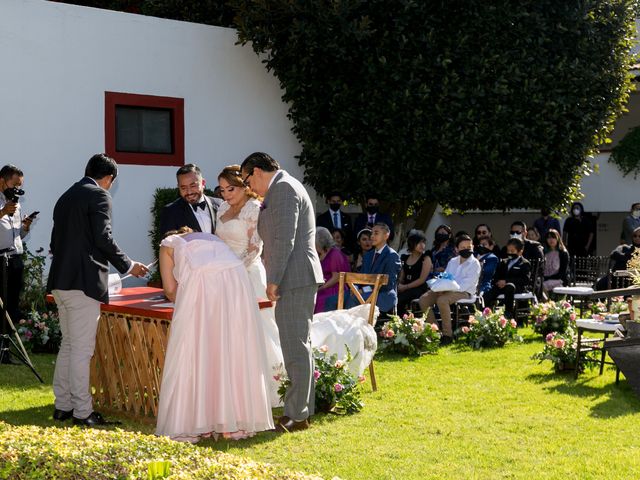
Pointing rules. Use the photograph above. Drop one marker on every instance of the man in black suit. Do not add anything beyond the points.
(334, 219)
(193, 209)
(511, 277)
(82, 247)
(373, 216)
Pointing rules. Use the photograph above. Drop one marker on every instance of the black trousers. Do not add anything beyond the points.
(509, 290)
(15, 272)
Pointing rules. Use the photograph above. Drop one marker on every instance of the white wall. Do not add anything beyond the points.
(57, 62)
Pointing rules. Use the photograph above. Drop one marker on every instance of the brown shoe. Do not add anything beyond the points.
(287, 425)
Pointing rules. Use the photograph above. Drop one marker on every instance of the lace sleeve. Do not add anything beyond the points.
(249, 215)
(171, 241)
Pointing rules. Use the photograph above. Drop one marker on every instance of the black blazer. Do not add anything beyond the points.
(326, 220)
(519, 274)
(179, 213)
(81, 242)
(363, 219)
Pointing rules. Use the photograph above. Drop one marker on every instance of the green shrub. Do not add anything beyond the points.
(29, 452)
(626, 154)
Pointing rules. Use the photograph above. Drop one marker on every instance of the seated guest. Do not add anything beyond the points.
(556, 262)
(443, 249)
(334, 218)
(333, 262)
(483, 231)
(381, 259)
(340, 238)
(488, 261)
(619, 257)
(532, 250)
(415, 269)
(364, 245)
(546, 222)
(534, 235)
(373, 216)
(465, 270)
(511, 277)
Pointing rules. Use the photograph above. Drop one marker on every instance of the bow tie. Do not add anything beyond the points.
(202, 205)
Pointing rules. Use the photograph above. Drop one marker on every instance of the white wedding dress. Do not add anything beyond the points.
(241, 234)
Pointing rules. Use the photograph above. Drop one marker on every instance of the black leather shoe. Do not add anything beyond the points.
(287, 425)
(444, 340)
(61, 415)
(92, 420)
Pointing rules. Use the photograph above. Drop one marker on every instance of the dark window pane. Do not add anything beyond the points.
(143, 130)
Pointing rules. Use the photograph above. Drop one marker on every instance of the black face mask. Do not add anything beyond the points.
(372, 210)
(482, 250)
(442, 237)
(513, 256)
(465, 253)
(335, 206)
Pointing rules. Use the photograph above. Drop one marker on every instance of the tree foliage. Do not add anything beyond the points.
(470, 104)
(626, 154)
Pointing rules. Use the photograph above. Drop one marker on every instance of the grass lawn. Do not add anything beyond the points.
(457, 414)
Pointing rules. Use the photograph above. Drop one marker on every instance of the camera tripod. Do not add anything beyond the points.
(10, 343)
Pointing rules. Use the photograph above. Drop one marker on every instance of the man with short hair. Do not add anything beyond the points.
(372, 215)
(629, 224)
(335, 219)
(511, 277)
(532, 250)
(13, 228)
(82, 246)
(287, 227)
(546, 222)
(193, 209)
(465, 270)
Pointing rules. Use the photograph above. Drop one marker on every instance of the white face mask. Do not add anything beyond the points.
(516, 235)
(635, 213)
(577, 212)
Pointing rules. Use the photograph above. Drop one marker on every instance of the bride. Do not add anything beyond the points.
(238, 227)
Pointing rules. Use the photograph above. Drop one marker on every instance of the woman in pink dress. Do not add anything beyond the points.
(215, 373)
(333, 262)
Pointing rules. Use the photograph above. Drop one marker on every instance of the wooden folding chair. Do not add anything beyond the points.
(353, 280)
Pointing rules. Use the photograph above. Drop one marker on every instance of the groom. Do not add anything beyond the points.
(287, 228)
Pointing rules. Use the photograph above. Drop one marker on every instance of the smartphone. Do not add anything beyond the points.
(33, 215)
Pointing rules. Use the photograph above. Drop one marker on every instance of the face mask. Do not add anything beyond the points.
(482, 250)
(635, 214)
(577, 212)
(441, 237)
(334, 206)
(516, 235)
(465, 253)
(372, 210)
(512, 256)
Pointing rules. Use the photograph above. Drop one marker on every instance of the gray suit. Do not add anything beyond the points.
(287, 227)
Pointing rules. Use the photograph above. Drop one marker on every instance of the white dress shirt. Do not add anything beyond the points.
(203, 216)
(11, 231)
(465, 274)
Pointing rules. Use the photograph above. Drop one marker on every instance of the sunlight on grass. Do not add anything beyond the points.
(457, 414)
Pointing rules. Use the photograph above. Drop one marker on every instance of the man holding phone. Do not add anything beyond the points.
(12, 229)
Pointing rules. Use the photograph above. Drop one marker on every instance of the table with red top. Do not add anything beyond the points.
(126, 368)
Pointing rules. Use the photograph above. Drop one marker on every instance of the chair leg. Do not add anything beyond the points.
(604, 353)
(372, 374)
(578, 346)
(617, 375)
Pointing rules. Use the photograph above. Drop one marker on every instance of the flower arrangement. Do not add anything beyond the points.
(490, 329)
(618, 305)
(337, 389)
(552, 317)
(561, 349)
(40, 331)
(409, 335)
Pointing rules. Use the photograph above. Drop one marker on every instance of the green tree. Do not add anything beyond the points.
(469, 104)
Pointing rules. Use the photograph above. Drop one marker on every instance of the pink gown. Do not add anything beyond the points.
(334, 261)
(215, 373)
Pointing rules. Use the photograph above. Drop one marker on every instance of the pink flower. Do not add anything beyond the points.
(276, 378)
(486, 311)
(472, 319)
(538, 320)
(550, 336)
(514, 324)
(434, 327)
(405, 316)
(559, 343)
(390, 334)
(45, 316)
(417, 327)
(572, 317)
(503, 322)
(28, 334)
(362, 378)
(338, 387)
(316, 374)
(339, 364)
(23, 321)
(566, 305)
(465, 329)
(324, 349)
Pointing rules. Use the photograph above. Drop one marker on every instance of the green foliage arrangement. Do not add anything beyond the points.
(490, 329)
(337, 390)
(626, 154)
(34, 452)
(560, 348)
(422, 102)
(553, 317)
(34, 291)
(40, 331)
(409, 335)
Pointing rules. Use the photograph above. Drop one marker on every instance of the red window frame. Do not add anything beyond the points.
(176, 105)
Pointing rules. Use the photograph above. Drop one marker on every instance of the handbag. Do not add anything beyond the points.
(443, 283)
